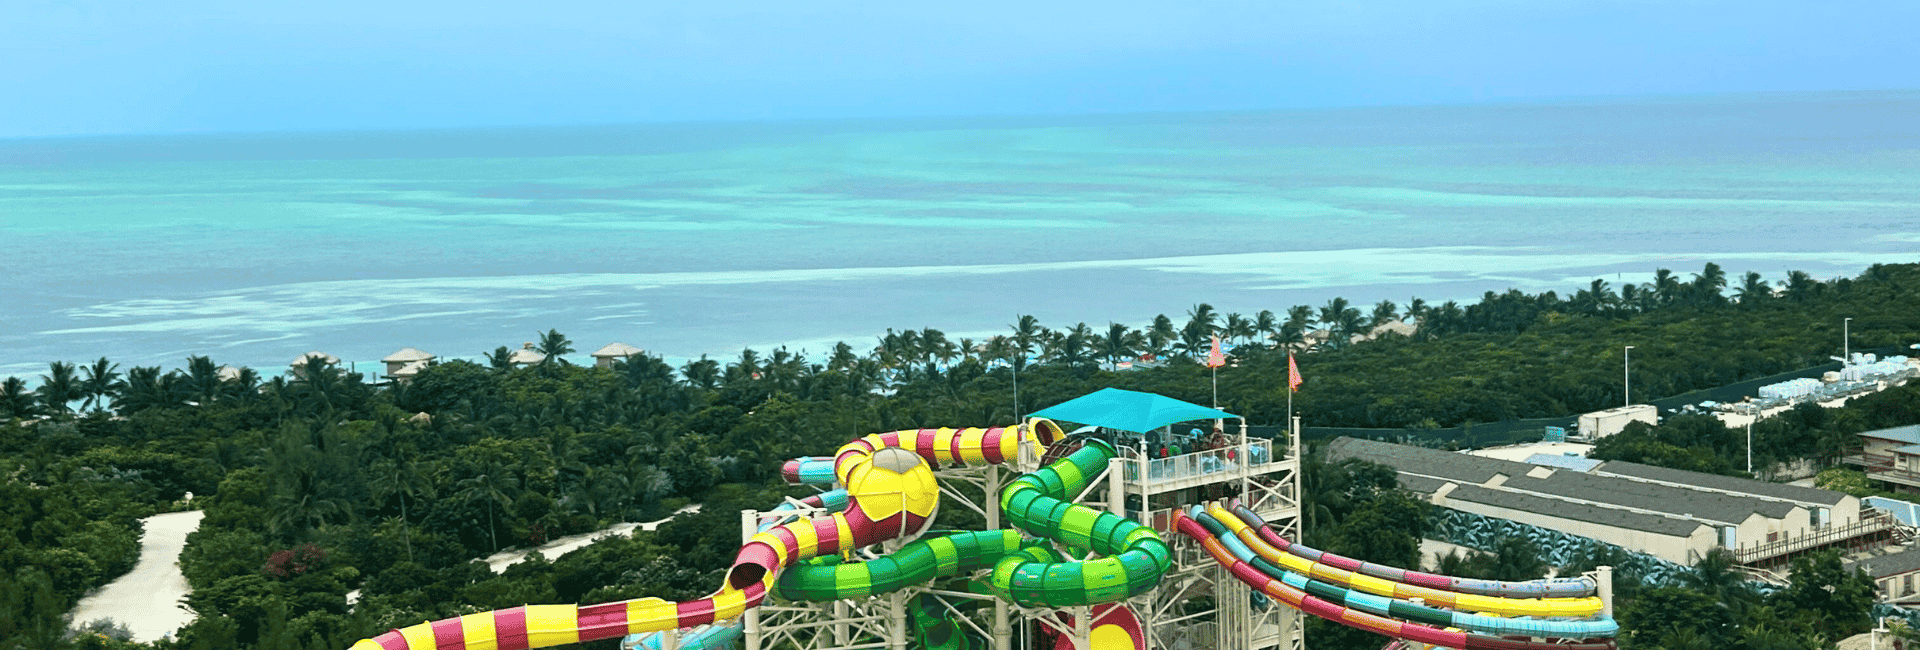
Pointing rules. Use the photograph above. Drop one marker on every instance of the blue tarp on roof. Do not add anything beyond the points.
(1128, 410)
(1574, 463)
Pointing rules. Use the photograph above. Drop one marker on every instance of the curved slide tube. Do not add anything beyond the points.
(1135, 559)
(1553, 588)
(1231, 532)
(889, 498)
(721, 636)
(1526, 606)
(934, 628)
(1325, 609)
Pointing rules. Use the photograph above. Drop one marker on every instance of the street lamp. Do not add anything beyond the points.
(1846, 341)
(1626, 375)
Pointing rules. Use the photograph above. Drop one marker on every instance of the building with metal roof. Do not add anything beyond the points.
(1674, 515)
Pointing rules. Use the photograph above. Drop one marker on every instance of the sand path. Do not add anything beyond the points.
(147, 599)
(553, 549)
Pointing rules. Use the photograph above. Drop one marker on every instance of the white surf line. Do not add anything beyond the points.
(147, 599)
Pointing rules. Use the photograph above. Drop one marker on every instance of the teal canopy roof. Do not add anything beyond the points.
(1128, 410)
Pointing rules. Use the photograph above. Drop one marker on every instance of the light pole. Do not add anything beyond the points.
(1846, 341)
(1626, 375)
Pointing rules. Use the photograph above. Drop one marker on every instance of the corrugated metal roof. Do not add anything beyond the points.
(1728, 483)
(1562, 487)
(1909, 434)
(1576, 512)
(1907, 561)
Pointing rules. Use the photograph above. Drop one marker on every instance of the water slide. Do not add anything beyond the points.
(1557, 588)
(891, 494)
(1367, 602)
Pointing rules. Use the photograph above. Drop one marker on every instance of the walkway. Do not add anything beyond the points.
(147, 599)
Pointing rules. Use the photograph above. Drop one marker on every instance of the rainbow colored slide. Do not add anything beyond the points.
(1356, 594)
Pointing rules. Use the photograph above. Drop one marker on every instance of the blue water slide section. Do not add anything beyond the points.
(710, 637)
(817, 470)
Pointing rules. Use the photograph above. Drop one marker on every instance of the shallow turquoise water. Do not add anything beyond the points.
(692, 239)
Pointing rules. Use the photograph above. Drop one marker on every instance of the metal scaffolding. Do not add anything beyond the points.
(1198, 604)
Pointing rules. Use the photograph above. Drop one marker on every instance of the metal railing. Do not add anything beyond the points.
(1203, 463)
(1881, 466)
(1870, 522)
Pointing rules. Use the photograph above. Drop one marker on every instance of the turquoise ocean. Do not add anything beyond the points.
(690, 239)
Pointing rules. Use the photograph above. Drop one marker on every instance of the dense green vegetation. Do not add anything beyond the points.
(316, 483)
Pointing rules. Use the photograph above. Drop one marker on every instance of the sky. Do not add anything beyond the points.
(83, 67)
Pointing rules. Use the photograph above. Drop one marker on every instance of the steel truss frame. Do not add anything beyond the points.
(1197, 606)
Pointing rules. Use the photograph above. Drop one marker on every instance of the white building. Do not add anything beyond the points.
(403, 365)
(616, 351)
(1600, 424)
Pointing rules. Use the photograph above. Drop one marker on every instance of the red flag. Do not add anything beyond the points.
(1293, 374)
(1214, 358)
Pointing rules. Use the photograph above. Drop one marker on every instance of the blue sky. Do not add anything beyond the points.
(93, 67)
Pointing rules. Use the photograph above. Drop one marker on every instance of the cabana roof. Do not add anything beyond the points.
(616, 350)
(408, 354)
(1128, 410)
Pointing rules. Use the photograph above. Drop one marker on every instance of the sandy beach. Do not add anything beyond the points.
(147, 599)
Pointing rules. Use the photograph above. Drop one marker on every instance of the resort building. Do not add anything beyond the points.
(300, 362)
(1893, 574)
(614, 352)
(526, 356)
(1674, 515)
(1600, 424)
(403, 365)
(1891, 456)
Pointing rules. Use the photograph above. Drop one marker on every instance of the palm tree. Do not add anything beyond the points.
(1707, 285)
(1072, 347)
(1666, 288)
(553, 344)
(489, 489)
(1026, 333)
(59, 388)
(1239, 327)
(1631, 297)
(403, 480)
(101, 382)
(934, 342)
(245, 384)
(320, 385)
(746, 369)
(843, 357)
(1195, 341)
(1753, 290)
(145, 388)
(1161, 334)
(1342, 321)
(16, 402)
(1120, 342)
(702, 372)
(1417, 309)
(1299, 320)
(1383, 312)
(1799, 286)
(997, 348)
(203, 380)
(1266, 324)
(501, 358)
(1603, 298)
(1204, 315)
